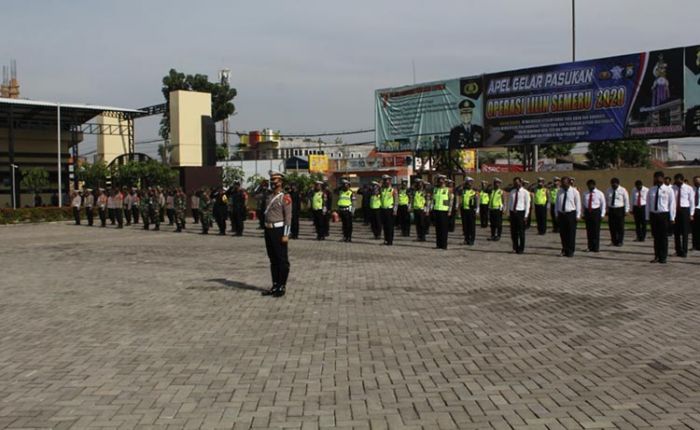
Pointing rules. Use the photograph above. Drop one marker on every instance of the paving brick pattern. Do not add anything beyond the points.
(102, 328)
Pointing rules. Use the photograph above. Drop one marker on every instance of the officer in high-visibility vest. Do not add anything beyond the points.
(390, 203)
(496, 207)
(442, 209)
(469, 207)
(403, 213)
(484, 204)
(541, 199)
(318, 209)
(553, 191)
(420, 207)
(346, 208)
(375, 206)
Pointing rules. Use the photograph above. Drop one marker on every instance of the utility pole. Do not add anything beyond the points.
(573, 30)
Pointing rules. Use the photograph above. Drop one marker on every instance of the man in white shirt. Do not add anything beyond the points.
(194, 203)
(519, 207)
(76, 200)
(593, 212)
(89, 202)
(639, 205)
(696, 215)
(618, 204)
(660, 212)
(685, 209)
(568, 212)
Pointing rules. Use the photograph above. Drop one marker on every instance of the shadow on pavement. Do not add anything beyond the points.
(226, 284)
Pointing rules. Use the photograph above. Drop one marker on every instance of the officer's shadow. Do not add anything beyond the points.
(228, 284)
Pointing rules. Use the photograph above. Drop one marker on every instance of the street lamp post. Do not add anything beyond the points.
(14, 192)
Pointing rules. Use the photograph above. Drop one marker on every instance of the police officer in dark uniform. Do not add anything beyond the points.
(465, 135)
(278, 224)
(296, 209)
(238, 199)
(220, 209)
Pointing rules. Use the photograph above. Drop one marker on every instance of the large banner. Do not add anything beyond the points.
(692, 90)
(434, 115)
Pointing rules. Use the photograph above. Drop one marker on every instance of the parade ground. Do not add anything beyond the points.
(128, 328)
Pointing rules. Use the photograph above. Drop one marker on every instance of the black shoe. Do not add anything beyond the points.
(280, 291)
(656, 260)
(270, 292)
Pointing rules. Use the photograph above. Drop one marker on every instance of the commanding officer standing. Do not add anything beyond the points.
(346, 199)
(685, 210)
(419, 204)
(541, 206)
(278, 224)
(496, 208)
(618, 203)
(696, 217)
(318, 210)
(593, 212)
(89, 202)
(404, 214)
(639, 206)
(442, 209)
(660, 212)
(484, 204)
(389, 206)
(568, 205)
(553, 192)
(519, 206)
(468, 207)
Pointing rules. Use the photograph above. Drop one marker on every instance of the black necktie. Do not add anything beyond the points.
(656, 201)
(697, 196)
(563, 201)
(612, 202)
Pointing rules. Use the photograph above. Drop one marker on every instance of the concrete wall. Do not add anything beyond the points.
(186, 111)
(111, 146)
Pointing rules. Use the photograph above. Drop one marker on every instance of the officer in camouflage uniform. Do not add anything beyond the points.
(205, 208)
(154, 210)
(180, 204)
(145, 205)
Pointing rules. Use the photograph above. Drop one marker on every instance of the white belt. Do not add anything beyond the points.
(274, 224)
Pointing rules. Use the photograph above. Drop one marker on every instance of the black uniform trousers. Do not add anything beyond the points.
(277, 253)
(404, 220)
(696, 230)
(90, 215)
(111, 214)
(468, 225)
(442, 221)
(375, 222)
(127, 215)
(319, 219)
(346, 219)
(640, 222)
(517, 230)
(567, 232)
(327, 223)
(452, 221)
(135, 214)
(238, 220)
(295, 222)
(659, 227)
(555, 218)
(220, 215)
(484, 215)
(119, 215)
(541, 218)
(681, 229)
(260, 213)
(592, 219)
(76, 215)
(616, 223)
(103, 216)
(195, 215)
(170, 213)
(387, 217)
(420, 219)
(496, 221)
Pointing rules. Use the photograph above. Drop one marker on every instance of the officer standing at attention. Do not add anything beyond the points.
(89, 202)
(318, 210)
(375, 207)
(519, 209)
(419, 204)
(102, 207)
(205, 208)
(442, 208)
(75, 204)
(329, 209)
(295, 194)
(685, 210)
(593, 211)
(618, 203)
(194, 203)
(569, 211)
(467, 203)
(660, 212)
(278, 224)
(484, 204)
(639, 205)
(404, 213)
(553, 192)
(496, 208)
(389, 206)
(541, 199)
(118, 201)
(238, 201)
(135, 205)
(346, 199)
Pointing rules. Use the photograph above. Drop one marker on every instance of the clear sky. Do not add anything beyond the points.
(310, 65)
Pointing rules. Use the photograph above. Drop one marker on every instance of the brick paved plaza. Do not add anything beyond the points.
(134, 329)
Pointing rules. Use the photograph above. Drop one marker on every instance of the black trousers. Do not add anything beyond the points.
(468, 225)
(404, 220)
(295, 223)
(387, 217)
(555, 218)
(616, 223)
(592, 218)
(346, 219)
(127, 216)
(90, 215)
(496, 220)
(111, 214)
(659, 230)
(442, 221)
(452, 221)
(484, 215)
(541, 218)
(420, 219)
(171, 216)
(195, 215)
(517, 230)
(119, 215)
(76, 215)
(319, 219)
(220, 216)
(640, 222)
(696, 230)
(277, 253)
(375, 222)
(103, 216)
(567, 233)
(681, 229)
(135, 214)
(327, 223)
(238, 221)
(260, 213)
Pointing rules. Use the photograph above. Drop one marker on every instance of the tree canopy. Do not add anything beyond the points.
(616, 154)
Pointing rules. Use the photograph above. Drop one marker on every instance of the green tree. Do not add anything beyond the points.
(149, 173)
(164, 151)
(616, 154)
(127, 175)
(221, 153)
(94, 175)
(221, 96)
(304, 181)
(254, 181)
(231, 174)
(34, 179)
(558, 150)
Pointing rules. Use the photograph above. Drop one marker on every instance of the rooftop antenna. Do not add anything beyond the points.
(14, 84)
(5, 87)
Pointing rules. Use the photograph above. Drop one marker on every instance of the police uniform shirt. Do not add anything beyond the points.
(621, 198)
(687, 197)
(661, 200)
(639, 197)
(523, 198)
(593, 200)
(569, 200)
(278, 209)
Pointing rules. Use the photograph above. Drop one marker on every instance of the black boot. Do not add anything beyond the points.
(280, 291)
(272, 291)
